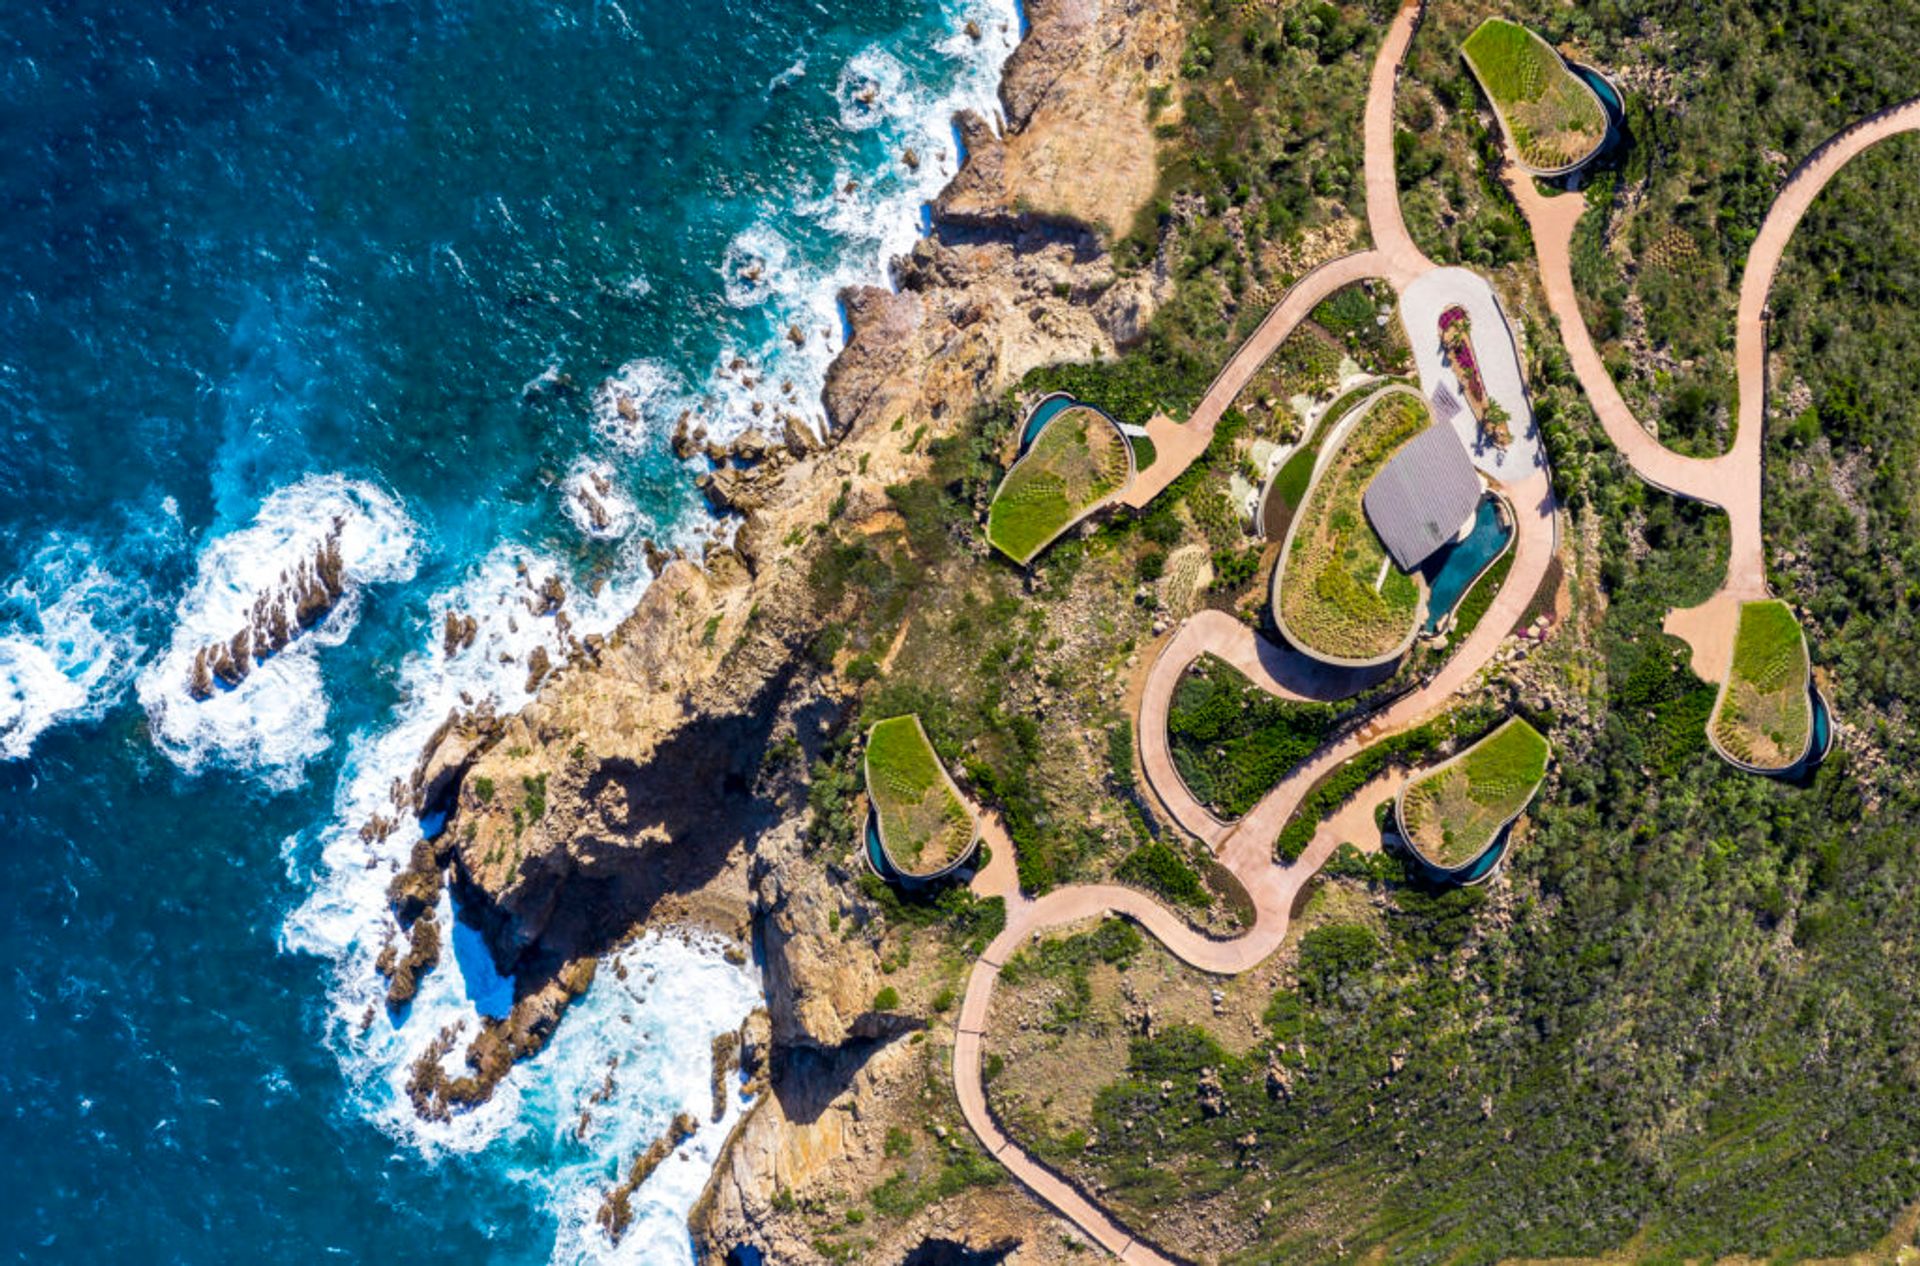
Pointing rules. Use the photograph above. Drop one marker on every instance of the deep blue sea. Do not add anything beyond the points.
(424, 275)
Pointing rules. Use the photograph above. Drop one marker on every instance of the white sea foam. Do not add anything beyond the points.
(675, 995)
(274, 720)
(639, 404)
(656, 1004)
(872, 217)
(870, 90)
(66, 645)
(596, 502)
(755, 266)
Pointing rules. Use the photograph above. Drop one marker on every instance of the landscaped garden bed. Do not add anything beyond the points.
(924, 827)
(1078, 461)
(1555, 121)
(1764, 716)
(1454, 813)
(1232, 742)
(1336, 594)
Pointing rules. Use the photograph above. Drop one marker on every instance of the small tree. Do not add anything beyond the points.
(1497, 424)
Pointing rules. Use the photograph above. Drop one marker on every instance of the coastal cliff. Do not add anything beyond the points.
(660, 774)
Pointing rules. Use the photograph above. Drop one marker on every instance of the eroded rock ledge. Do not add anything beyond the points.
(298, 601)
(643, 784)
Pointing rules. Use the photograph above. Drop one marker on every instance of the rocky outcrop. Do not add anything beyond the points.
(616, 1211)
(1080, 145)
(639, 785)
(525, 1032)
(298, 601)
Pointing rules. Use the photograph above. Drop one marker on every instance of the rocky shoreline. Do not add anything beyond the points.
(659, 775)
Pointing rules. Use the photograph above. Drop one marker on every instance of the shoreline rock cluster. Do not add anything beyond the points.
(660, 774)
(297, 602)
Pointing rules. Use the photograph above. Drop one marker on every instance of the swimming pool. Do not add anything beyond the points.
(1042, 414)
(1452, 571)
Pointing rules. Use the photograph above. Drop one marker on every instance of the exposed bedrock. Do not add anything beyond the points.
(643, 786)
(295, 603)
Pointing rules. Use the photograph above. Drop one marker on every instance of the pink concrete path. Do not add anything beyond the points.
(1245, 846)
(1731, 481)
(1393, 257)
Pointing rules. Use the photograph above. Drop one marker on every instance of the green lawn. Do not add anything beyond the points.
(1555, 119)
(1077, 461)
(1764, 715)
(922, 823)
(1335, 592)
(1454, 812)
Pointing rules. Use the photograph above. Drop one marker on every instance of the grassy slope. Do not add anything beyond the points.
(1455, 812)
(1766, 715)
(921, 822)
(1326, 581)
(1075, 462)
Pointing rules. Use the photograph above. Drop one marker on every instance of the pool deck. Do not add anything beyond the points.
(1421, 304)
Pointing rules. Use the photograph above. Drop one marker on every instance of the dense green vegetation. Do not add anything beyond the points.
(1156, 867)
(1724, 97)
(1232, 741)
(1454, 813)
(1764, 716)
(1077, 461)
(1686, 1017)
(923, 825)
(1554, 119)
(1844, 442)
(1335, 593)
(1345, 780)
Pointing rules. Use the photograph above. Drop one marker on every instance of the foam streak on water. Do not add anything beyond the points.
(482, 258)
(65, 644)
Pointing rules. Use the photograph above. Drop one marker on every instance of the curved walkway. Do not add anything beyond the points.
(1246, 847)
(1393, 257)
(1731, 481)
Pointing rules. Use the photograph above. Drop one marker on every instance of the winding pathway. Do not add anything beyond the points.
(1246, 846)
(1731, 481)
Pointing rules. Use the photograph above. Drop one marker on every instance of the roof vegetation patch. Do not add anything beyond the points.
(923, 825)
(1555, 120)
(1764, 716)
(1454, 813)
(1077, 462)
(1336, 594)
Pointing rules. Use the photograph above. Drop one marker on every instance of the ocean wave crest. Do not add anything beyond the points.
(595, 501)
(870, 90)
(67, 647)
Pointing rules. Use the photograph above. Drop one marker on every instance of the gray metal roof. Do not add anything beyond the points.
(1423, 496)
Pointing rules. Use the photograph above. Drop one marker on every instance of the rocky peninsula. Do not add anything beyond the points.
(660, 775)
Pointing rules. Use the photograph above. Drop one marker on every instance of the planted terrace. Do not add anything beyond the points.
(1554, 120)
(1077, 463)
(1336, 594)
(1455, 813)
(924, 827)
(1763, 719)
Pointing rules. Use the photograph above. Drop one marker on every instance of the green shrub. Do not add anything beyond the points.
(1158, 868)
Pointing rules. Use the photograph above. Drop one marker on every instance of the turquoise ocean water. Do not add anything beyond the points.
(427, 273)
